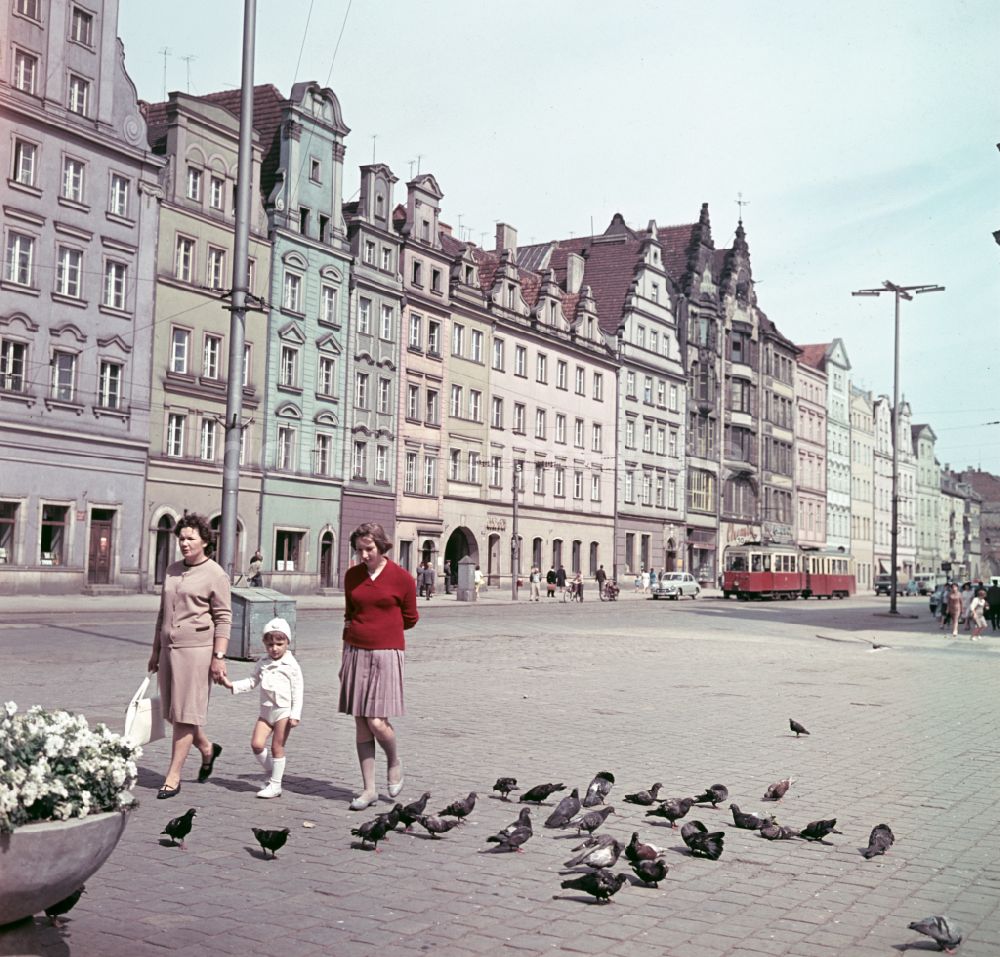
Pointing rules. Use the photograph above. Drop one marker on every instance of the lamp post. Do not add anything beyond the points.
(898, 292)
(515, 543)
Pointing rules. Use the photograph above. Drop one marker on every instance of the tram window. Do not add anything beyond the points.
(737, 563)
(756, 564)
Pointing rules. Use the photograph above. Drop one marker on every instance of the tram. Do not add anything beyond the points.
(786, 571)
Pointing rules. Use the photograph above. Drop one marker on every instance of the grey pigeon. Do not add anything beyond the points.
(373, 831)
(461, 808)
(636, 851)
(511, 839)
(594, 840)
(796, 727)
(775, 832)
(714, 795)
(523, 821)
(700, 842)
(817, 830)
(597, 857)
(505, 786)
(540, 792)
(270, 840)
(651, 872)
(944, 932)
(179, 827)
(879, 841)
(590, 821)
(749, 822)
(64, 906)
(673, 809)
(564, 810)
(411, 812)
(644, 798)
(777, 790)
(598, 789)
(600, 884)
(438, 825)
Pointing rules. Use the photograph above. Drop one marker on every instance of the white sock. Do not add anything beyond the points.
(277, 770)
(265, 759)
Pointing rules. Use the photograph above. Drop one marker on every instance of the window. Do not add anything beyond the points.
(476, 350)
(559, 481)
(498, 354)
(416, 331)
(630, 433)
(560, 428)
(595, 486)
(541, 367)
(417, 274)
(72, 179)
(520, 360)
(292, 298)
(628, 486)
(323, 454)
(210, 357)
(246, 365)
(473, 472)
(216, 268)
(578, 433)
(673, 398)
(25, 71)
(539, 423)
(8, 522)
(538, 479)
(20, 259)
(647, 484)
(560, 374)
(519, 418)
(456, 401)
(433, 408)
(326, 376)
(739, 395)
(595, 438)
(672, 493)
(475, 405)
(598, 387)
(630, 384)
(359, 461)
(365, 316)
(13, 358)
(315, 170)
(454, 465)
(739, 347)
(661, 393)
(115, 274)
(673, 444)
(179, 341)
(118, 197)
(69, 272)
(193, 190)
(52, 540)
(647, 438)
(577, 484)
(288, 550)
(28, 8)
(184, 259)
(413, 402)
(436, 280)
(81, 28)
(175, 435)
(496, 471)
(79, 95)
(384, 396)
(430, 474)
(286, 448)
(381, 463)
(385, 327)
(701, 490)
(496, 412)
(580, 381)
(433, 337)
(24, 162)
(209, 434)
(647, 390)
(217, 193)
(386, 259)
(361, 390)
(288, 370)
(410, 472)
(457, 339)
(369, 253)
(654, 341)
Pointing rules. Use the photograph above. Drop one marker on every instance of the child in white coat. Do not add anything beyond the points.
(281, 690)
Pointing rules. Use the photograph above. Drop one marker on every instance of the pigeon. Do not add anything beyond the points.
(511, 839)
(715, 795)
(523, 822)
(461, 808)
(540, 792)
(749, 822)
(411, 812)
(438, 825)
(590, 821)
(941, 930)
(700, 842)
(796, 727)
(879, 841)
(565, 809)
(651, 872)
(391, 818)
(64, 906)
(505, 786)
(599, 789)
(272, 841)
(373, 831)
(594, 840)
(597, 857)
(673, 809)
(636, 851)
(817, 830)
(777, 790)
(644, 798)
(600, 884)
(775, 832)
(179, 828)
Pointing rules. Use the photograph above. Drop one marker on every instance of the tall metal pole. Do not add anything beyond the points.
(515, 543)
(237, 323)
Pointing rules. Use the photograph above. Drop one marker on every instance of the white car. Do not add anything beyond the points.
(675, 585)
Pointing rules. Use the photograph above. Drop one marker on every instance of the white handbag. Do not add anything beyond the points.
(143, 717)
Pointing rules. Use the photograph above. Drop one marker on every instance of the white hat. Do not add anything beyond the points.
(279, 625)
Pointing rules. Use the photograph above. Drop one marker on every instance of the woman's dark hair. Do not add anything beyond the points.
(375, 532)
(200, 524)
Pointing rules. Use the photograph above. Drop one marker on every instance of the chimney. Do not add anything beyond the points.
(506, 238)
(574, 272)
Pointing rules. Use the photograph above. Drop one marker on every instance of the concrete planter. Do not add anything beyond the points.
(42, 864)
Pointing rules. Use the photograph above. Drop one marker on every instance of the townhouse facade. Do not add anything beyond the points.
(906, 552)
(927, 498)
(882, 511)
(777, 435)
(810, 442)
(862, 487)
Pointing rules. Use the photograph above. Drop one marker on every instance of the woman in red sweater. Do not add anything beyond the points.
(380, 604)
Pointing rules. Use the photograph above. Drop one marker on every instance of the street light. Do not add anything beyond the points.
(898, 292)
(515, 556)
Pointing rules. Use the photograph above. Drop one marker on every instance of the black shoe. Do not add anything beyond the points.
(205, 771)
(168, 792)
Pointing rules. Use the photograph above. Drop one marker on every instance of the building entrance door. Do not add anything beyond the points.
(99, 557)
(326, 553)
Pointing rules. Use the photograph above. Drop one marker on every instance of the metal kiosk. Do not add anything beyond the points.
(253, 608)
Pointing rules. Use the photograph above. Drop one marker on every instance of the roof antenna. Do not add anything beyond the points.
(187, 60)
(741, 202)
(165, 52)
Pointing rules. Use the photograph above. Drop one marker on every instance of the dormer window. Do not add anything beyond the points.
(303, 220)
(425, 230)
(380, 206)
(510, 295)
(315, 171)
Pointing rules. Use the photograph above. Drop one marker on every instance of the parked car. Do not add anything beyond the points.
(676, 585)
(883, 584)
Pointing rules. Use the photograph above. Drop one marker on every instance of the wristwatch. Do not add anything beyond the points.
(219, 655)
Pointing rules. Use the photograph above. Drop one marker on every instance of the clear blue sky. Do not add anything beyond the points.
(861, 134)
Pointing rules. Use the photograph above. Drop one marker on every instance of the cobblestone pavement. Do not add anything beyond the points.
(689, 694)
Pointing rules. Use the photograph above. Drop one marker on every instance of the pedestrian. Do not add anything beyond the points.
(645, 581)
(561, 582)
(254, 579)
(189, 646)
(425, 578)
(281, 688)
(600, 576)
(652, 578)
(578, 587)
(380, 603)
(550, 582)
(967, 596)
(993, 604)
(535, 577)
(977, 613)
(447, 576)
(638, 582)
(953, 608)
(477, 580)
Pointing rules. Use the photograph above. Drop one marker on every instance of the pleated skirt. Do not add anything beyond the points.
(185, 681)
(371, 682)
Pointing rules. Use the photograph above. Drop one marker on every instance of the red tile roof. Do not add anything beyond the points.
(815, 355)
(985, 484)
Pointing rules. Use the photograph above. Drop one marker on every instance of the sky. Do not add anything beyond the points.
(862, 138)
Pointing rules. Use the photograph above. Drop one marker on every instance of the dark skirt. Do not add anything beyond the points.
(371, 682)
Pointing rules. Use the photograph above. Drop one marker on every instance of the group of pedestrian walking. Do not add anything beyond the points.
(646, 579)
(972, 606)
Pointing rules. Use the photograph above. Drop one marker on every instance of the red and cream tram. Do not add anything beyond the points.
(786, 571)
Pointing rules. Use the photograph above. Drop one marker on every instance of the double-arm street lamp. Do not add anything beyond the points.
(898, 292)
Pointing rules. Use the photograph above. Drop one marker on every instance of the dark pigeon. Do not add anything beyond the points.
(412, 812)
(817, 830)
(272, 841)
(777, 790)
(373, 831)
(391, 818)
(511, 839)
(944, 932)
(599, 789)
(644, 798)
(64, 906)
(636, 851)
(461, 808)
(523, 822)
(714, 795)
(651, 872)
(505, 786)
(540, 792)
(597, 857)
(600, 884)
(879, 841)
(179, 828)
(565, 809)
(700, 842)
(749, 822)
(438, 825)
(775, 832)
(590, 821)
(796, 727)
(673, 809)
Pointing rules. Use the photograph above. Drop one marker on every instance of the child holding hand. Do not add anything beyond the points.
(281, 689)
